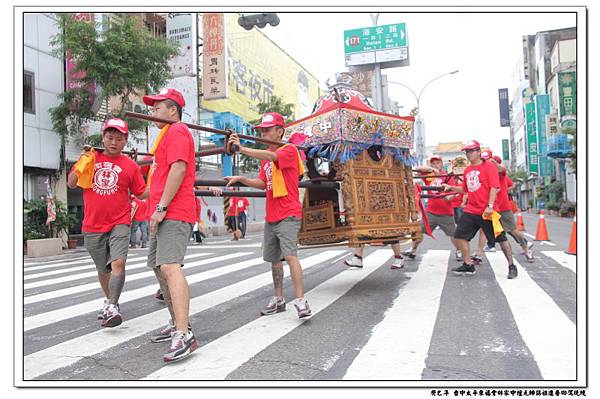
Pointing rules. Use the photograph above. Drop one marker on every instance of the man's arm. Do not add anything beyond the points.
(263, 155)
(456, 189)
(493, 193)
(174, 179)
(72, 180)
(254, 183)
(427, 169)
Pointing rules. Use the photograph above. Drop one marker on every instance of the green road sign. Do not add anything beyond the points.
(374, 38)
(505, 150)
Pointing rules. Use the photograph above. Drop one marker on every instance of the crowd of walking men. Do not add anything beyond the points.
(109, 179)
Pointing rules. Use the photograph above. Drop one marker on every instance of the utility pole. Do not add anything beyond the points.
(377, 74)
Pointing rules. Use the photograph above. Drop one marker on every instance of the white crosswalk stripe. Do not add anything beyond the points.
(547, 331)
(89, 263)
(90, 286)
(395, 352)
(564, 259)
(395, 348)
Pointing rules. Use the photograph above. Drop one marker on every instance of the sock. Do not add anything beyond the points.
(300, 301)
(115, 287)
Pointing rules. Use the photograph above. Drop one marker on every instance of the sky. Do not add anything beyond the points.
(484, 47)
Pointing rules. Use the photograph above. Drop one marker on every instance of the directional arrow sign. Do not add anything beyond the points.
(373, 38)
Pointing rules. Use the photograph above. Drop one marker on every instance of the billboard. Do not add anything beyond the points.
(181, 28)
(567, 93)
(542, 110)
(504, 113)
(532, 144)
(214, 56)
(259, 69)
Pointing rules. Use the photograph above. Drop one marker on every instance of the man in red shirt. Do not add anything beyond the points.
(107, 213)
(140, 220)
(439, 210)
(172, 204)
(237, 213)
(481, 183)
(279, 176)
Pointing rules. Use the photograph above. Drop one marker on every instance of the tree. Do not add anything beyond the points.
(274, 104)
(121, 60)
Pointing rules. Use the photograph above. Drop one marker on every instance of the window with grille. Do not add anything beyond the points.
(28, 92)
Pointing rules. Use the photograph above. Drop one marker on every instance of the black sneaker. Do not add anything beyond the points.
(465, 269)
(182, 345)
(159, 296)
(512, 272)
(275, 305)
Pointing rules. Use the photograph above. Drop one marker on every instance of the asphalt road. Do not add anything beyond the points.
(396, 327)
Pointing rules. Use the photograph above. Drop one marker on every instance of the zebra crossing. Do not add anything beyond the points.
(394, 337)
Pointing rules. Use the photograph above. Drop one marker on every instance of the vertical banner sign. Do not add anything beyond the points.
(504, 114)
(532, 145)
(542, 109)
(214, 73)
(505, 150)
(567, 92)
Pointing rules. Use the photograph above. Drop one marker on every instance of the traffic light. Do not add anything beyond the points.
(261, 20)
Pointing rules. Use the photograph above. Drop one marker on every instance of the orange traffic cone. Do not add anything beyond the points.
(520, 225)
(573, 243)
(541, 233)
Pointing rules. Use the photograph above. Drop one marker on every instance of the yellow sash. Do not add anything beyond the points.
(495, 218)
(84, 169)
(153, 150)
(279, 189)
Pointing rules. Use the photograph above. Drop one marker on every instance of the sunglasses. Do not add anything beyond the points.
(471, 150)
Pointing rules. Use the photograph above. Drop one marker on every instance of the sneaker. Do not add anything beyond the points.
(465, 269)
(355, 261)
(458, 254)
(102, 312)
(529, 246)
(476, 259)
(113, 316)
(410, 253)
(398, 264)
(489, 249)
(165, 333)
(512, 272)
(159, 295)
(144, 244)
(131, 245)
(275, 305)
(529, 256)
(182, 346)
(302, 308)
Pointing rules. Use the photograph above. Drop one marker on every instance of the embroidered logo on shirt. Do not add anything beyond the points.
(473, 182)
(106, 178)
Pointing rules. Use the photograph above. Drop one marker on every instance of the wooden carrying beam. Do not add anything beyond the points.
(207, 193)
(302, 184)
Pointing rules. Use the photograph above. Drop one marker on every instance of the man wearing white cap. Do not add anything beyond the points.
(107, 177)
(481, 183)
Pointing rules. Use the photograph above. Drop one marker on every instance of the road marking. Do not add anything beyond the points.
(54, 316)
(94, 273)
(336, 260)
(216, 360)
(73, 350)
(547, 331)
(35, 263)
(90, 286)
(90, 265)
(48, 266)
(540, 242)
(208, 246)
(399, 344)
(566, 260)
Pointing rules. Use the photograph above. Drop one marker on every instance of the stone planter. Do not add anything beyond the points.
(44, 247)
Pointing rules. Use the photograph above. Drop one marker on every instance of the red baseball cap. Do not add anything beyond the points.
(471, 145)
(497, 158)
(485, 155)
(116, 123)
(433, 158)
(165, 94)
(271, 119)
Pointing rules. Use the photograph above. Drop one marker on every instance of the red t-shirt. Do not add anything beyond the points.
(456, 201)
(502, 200)
(107, 202)
(282, 207)
(478, 180)
(176, 145)
(237, 205)
(141, 215)
(439, 206)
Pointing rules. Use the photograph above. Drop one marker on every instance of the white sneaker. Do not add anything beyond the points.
(113, 316)
(102, 312)
(354, 262)
(398, 264)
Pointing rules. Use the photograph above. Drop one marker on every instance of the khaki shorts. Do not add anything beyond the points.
(169, 244)
(507, 220)
(105, 248)
(446, 223)
(281, 239)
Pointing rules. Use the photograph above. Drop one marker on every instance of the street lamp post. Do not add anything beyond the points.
(420, 136)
